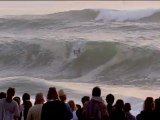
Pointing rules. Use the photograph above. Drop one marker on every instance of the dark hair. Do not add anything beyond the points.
(17, 99)
(96, 92)
(52, 93)
(127, 107)
(119, 104)
(78, 106)
(110, 99)
(2, 95)
(63, 98)
(148, 104)
(11, 91)
(26, 96)
(157, 104)
(85, 99)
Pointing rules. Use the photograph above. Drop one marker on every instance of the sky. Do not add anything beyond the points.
(45, 7)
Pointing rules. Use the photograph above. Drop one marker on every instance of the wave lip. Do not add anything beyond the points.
(128, 15)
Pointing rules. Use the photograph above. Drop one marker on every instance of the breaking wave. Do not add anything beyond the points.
(126, 15)
(42, 46)
(62, 18)
(103, 61)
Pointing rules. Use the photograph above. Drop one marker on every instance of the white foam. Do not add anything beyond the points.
(122, 15)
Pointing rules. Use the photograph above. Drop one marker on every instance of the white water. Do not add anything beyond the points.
(123, 15)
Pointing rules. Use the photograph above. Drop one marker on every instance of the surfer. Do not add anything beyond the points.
(77, 52)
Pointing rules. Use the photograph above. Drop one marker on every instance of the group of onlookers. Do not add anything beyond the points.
(57, 107)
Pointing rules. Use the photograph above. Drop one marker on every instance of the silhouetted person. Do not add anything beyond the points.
(77, 52)
(85, 99)
(110, 100)
(79, 111)
(127, 108)
(118, 113)
(156, 110)
(147, 112)
(78, 106)
(9, 109)
(54, 109)
(2, 95)
(18, 100)
(95, 109)
(26, 104)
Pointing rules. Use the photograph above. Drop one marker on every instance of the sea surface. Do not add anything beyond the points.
(79, 49)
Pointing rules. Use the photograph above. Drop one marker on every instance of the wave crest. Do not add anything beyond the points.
(59, 20)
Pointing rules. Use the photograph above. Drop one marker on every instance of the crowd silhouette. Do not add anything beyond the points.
(57, 107)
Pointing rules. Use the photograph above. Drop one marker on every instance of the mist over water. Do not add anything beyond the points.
(102, 47)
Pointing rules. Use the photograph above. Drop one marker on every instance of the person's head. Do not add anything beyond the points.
(78, 106)
(119, 104)
(2, 95)
(10, 92)
(72, 105)
(17, 99)
(148, 104)
(157, 103)
(85, 99)
(62, 95)
(52, 94)
(96, 92)
(26, 97)
(39, 98)
(110, 99)
(127, 107)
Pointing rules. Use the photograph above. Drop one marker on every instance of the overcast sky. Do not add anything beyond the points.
(44, 7)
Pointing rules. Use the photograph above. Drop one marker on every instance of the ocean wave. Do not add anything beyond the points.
(61, 19)
(46, 21)
(110, 62)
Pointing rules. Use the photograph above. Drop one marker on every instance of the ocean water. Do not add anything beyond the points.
(76, 50)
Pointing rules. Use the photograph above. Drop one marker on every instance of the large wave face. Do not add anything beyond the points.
(83, 46)
(16, 53)
(110, 62)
